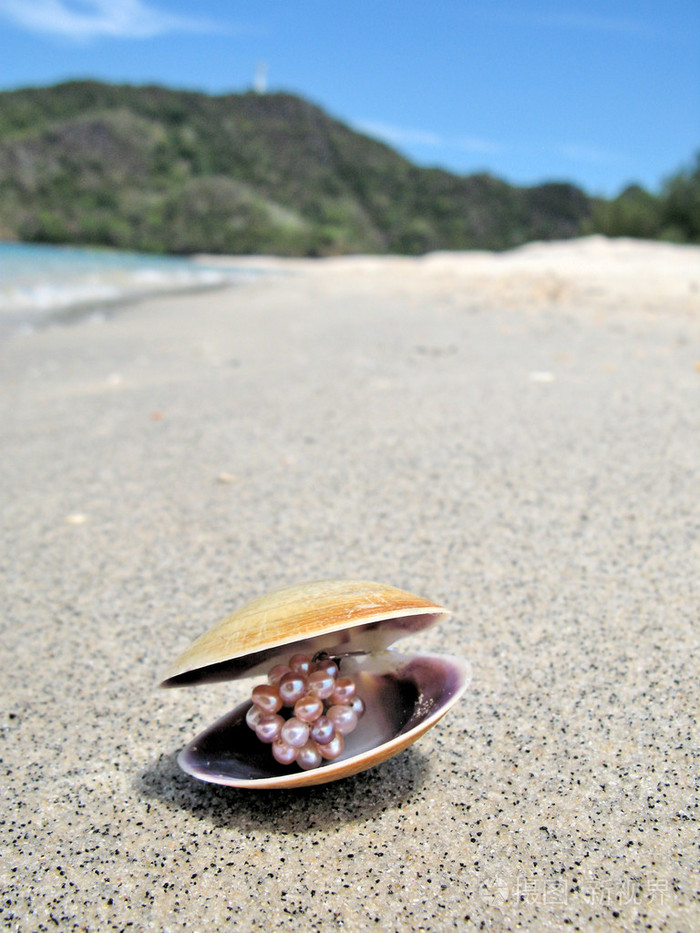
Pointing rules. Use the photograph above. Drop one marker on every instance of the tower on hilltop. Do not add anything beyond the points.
(260, 80)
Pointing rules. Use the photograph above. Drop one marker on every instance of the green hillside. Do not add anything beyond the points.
(150, 168)
(155, 169)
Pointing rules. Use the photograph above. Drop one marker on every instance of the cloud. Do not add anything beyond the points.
(580, 152)
(574, 20)
(83, 20)
(475, 144)
(610, 24)
(400, 136)
(404, 136)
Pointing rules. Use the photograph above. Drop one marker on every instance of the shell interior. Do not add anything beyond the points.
(404, 696)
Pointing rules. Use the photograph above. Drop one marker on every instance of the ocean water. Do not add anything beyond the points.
(52, 284)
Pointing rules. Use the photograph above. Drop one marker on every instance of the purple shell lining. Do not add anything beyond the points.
(397, 702)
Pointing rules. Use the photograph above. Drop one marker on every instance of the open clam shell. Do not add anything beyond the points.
(404, 694)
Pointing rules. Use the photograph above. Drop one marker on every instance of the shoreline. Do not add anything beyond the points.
(636, 273)
(75, 282)
(95, 311)
(586, 273)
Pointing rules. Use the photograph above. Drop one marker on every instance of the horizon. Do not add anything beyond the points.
(521, 94)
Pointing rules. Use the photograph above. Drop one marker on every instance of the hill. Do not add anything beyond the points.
(155, 169)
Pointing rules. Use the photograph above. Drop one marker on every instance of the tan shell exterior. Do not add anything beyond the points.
(302, 612)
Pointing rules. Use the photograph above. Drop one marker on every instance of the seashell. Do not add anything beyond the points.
(352, 622)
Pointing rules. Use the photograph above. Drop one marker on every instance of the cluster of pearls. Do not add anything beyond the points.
(325, 707)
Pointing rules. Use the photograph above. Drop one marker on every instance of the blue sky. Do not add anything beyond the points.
(598, 92)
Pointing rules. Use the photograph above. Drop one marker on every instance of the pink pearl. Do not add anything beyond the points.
(301, 663)
(283, 753)
(277, 673)
(253, 716)
(267, 697)
(333, 749)
(344, 718)
(309, 756)
(358, 705)
(308, 708)
(321, 684)
(269, 728)
(330, 667)
(344, 690)
(292, 687)
(295, 732)
(323, 731)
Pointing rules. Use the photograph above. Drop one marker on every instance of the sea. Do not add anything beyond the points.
(42, 284)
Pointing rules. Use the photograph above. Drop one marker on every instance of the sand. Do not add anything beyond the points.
(515, 436)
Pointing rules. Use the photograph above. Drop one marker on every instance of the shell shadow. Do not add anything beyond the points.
(307, 809)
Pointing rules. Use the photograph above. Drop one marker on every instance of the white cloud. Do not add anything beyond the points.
(404, 136)
(400, 136)
(580, 152)
(477, 145)
(585, 21)
(83, 20)
(572, 19)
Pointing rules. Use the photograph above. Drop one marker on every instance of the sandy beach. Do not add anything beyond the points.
(515, 436)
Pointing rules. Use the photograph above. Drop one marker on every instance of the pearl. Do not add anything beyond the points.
(283, 753)
(344, 690)
(269, 728)
(267, 697)
(330, 667)
(323, 731)
(295, 732)
(321, 684)
(344, 718)
(308, 708)
(333, 749)
(309, 756)
(292, 687)
(277, 673)
(310, 734)
(301, 663)
(253, 716)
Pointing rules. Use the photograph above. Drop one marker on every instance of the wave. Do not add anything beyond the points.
(42, 284)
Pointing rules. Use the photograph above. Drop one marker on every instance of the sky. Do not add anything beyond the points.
(601, 93)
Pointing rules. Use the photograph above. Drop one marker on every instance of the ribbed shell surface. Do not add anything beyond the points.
(305, 613)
